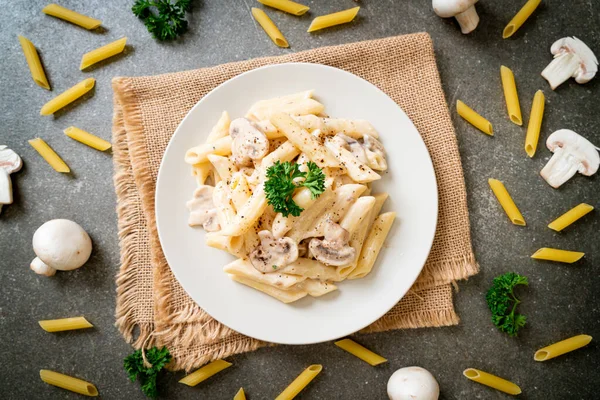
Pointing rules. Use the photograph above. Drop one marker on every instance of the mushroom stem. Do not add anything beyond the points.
(561, 69)
(468, 20)
(41, 268)
(561, 167)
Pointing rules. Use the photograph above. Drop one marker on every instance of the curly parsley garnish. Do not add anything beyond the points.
(501, 297)
(134, 365)
(280, 185)
(164, 20)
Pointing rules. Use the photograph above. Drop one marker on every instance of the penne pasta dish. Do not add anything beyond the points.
(286, 189)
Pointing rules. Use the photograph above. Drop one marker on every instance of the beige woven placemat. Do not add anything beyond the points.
(152, 308)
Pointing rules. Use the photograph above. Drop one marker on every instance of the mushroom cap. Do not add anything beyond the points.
(589, 63)
(449, 8)
(413, 383)
(9, 160)
(62, 244)
(579, 147)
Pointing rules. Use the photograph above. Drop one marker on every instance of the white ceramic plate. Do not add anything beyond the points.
(410, 181)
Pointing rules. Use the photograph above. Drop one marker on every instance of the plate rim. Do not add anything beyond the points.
(311, 65)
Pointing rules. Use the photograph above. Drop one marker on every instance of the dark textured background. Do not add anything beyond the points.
(562, 300)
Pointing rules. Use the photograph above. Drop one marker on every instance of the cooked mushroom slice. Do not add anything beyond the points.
(572, 153)
(273, 254)
(333, 249)
(202, 209)
(249, 143)
(375, 153)
(572, 59)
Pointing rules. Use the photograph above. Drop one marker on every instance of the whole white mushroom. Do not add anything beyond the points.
(413, 383)
(60, 244)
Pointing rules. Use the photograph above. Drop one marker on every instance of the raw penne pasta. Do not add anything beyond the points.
(68, 96)
(361, 352)
(300, 382)
(355, 128)
(287, 6)
(285, 296)
(65, 324)
(240, 395)
(329, 20)
(269, 27)
(304, 141)
(570, 217)
(244, 268)
(564, 256)
(205, 372)
(68, 382)
(520, 18)
(201, 172)
(507, 203)
(373, 244)
(33, 61)
(510, 95)
(221, 128)
(492, 381)
(49, 155)
(102, 53)
(87, 138)
(473, 118)
(71, 16)
(535, 123)
(199, 154)
(562, 347)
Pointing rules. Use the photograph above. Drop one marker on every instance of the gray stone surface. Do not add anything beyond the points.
(562, 300)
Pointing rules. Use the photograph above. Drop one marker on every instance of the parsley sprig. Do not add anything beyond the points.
(134, 365)
(501, 297)
(280, 185)
(164, 20)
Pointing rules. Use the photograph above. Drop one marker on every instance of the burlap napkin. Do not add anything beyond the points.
(147, 112)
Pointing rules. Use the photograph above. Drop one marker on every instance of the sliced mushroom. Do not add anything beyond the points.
(249, 143)
(572, 59)
(333, 249)
(202, 209)
(572, 153)
(273, 254)
(9, 162)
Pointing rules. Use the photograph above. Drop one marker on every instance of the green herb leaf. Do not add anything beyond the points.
(135, 368)
(280, 185)
(163, 19)
(503, 303)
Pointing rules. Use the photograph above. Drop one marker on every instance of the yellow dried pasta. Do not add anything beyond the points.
(49, 155)
(71, 16)
(102, 53)
(87, 138)
(329, 20)
(287, 6)
(33, 61)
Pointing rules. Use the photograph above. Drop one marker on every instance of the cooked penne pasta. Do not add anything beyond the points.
(293, 108)
(287, 6)
(361, 352)
(240, 395)
(199, 154)
(243, 267)
(520, 18)
(231, 244)
(312, 269)
(510, 95)
(507, 203)
(373, 244)
(358, 171)
(285, 296)
(473, 118)
(562, 347)
(317, 288)
(68, 382)
(49, 155)
(356, 128)
(68, 96)
(357, 213)
(205, 372)
(223, 165)
(248, 214)
(329, 20)
(65, 324)
(287, 99)
(33, 61)
(269, 27)
(102, 53)
(492, 381)
(564, 256)
(570, 217)
(222, 202)
(87, 138)
(71, 16)
(300, 382)
(281, 224)
(221, 128)
(535, 123)
(239, 191)
(201, 172)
